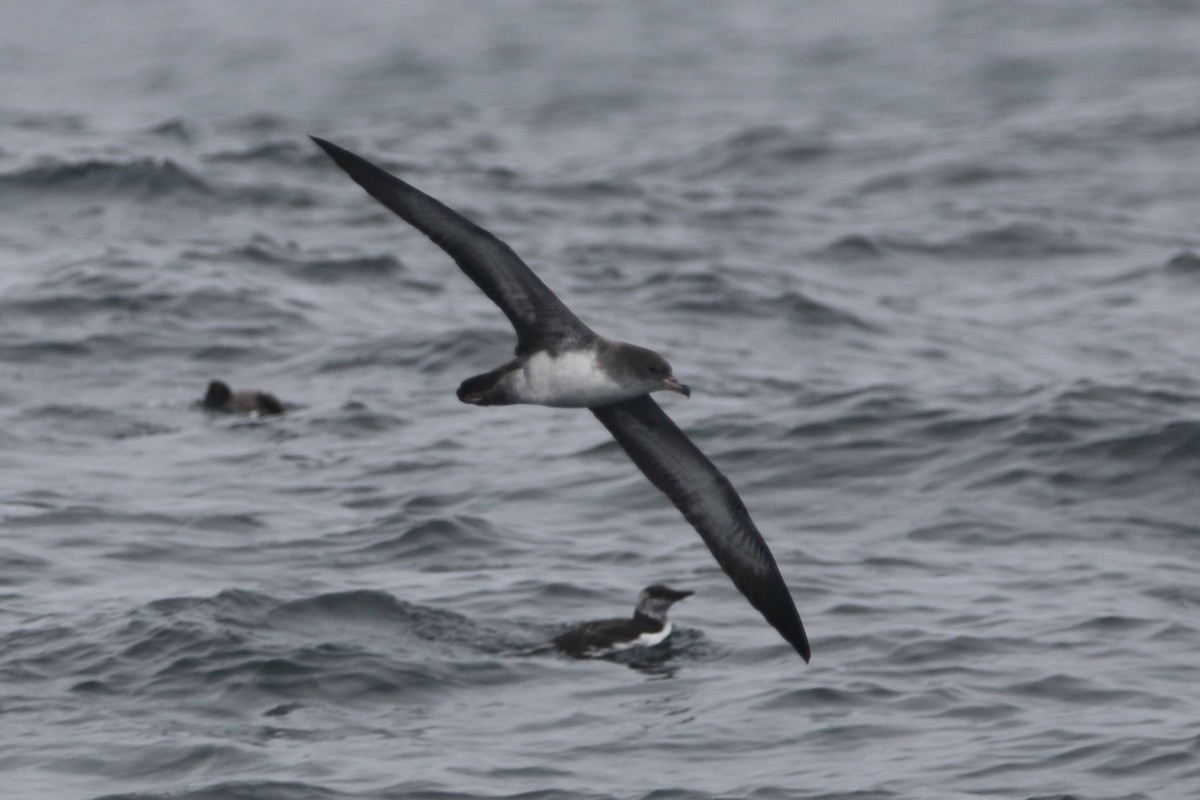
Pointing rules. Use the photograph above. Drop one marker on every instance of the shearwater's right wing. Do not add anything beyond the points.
(536, 313)
(708, 500)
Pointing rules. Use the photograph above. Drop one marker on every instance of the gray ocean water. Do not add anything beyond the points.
(931, 268)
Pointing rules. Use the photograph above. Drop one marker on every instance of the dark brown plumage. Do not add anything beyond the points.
(220, 397)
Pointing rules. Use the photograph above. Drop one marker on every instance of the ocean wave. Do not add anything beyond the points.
(1161, 445)
(291, 152)
(1112, 434)
(1073, 450)
(141, 179)
(1184, 263)
(1082, 434)
(851, 247)
(759, 152)
(145, 178)
(175, 129)
(73, 422)
(353, 647)
(137, 306)
(243, 790)
(1017, 240)
(418, 790)
(954, 175)
(592, 190)
(308, 266)
(436, 540)
(619, 252)
(714, 293)
(47, 122)
(357, 419)
(459, 351)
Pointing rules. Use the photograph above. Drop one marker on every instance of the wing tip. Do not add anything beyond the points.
(804, 650)
(785, 619)
(393, 193)
(340, 155)
(798, 639)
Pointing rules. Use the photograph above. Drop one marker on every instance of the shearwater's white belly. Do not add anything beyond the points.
(570, 380)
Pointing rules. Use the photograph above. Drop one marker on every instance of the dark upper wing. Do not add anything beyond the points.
(708, 500)
(536, 313)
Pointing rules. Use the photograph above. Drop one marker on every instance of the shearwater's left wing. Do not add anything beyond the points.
(709, 502)
(536, 313)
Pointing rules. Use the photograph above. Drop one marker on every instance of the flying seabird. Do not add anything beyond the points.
(647, 627)
(562, 362)
(220, 397)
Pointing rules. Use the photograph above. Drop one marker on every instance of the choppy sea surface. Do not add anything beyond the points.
(931, 268)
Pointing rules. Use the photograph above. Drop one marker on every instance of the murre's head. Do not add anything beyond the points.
(640, 366)
(654, 600)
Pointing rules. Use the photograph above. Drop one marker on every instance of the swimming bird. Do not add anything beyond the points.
(220, 397)
(647, 627)
(562, 362)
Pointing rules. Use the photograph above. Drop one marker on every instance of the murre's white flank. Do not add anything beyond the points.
(562, 362)
(648, 639)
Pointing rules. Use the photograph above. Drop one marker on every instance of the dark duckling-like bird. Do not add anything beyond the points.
(220, 397)
(562, 362)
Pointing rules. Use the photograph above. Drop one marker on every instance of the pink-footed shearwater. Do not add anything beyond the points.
(647, 627)
(562, 362)
(220, 397)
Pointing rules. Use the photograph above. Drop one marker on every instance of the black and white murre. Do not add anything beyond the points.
(562, 362)
(220, 397)
(647, 627)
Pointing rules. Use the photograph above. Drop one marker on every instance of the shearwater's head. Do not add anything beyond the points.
(654, 601)
(641, 367)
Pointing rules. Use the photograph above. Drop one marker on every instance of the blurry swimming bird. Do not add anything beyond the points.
(220, 397)
(561, 362)
(647, 627)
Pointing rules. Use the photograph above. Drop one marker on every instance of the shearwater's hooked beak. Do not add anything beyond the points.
(670, 383)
